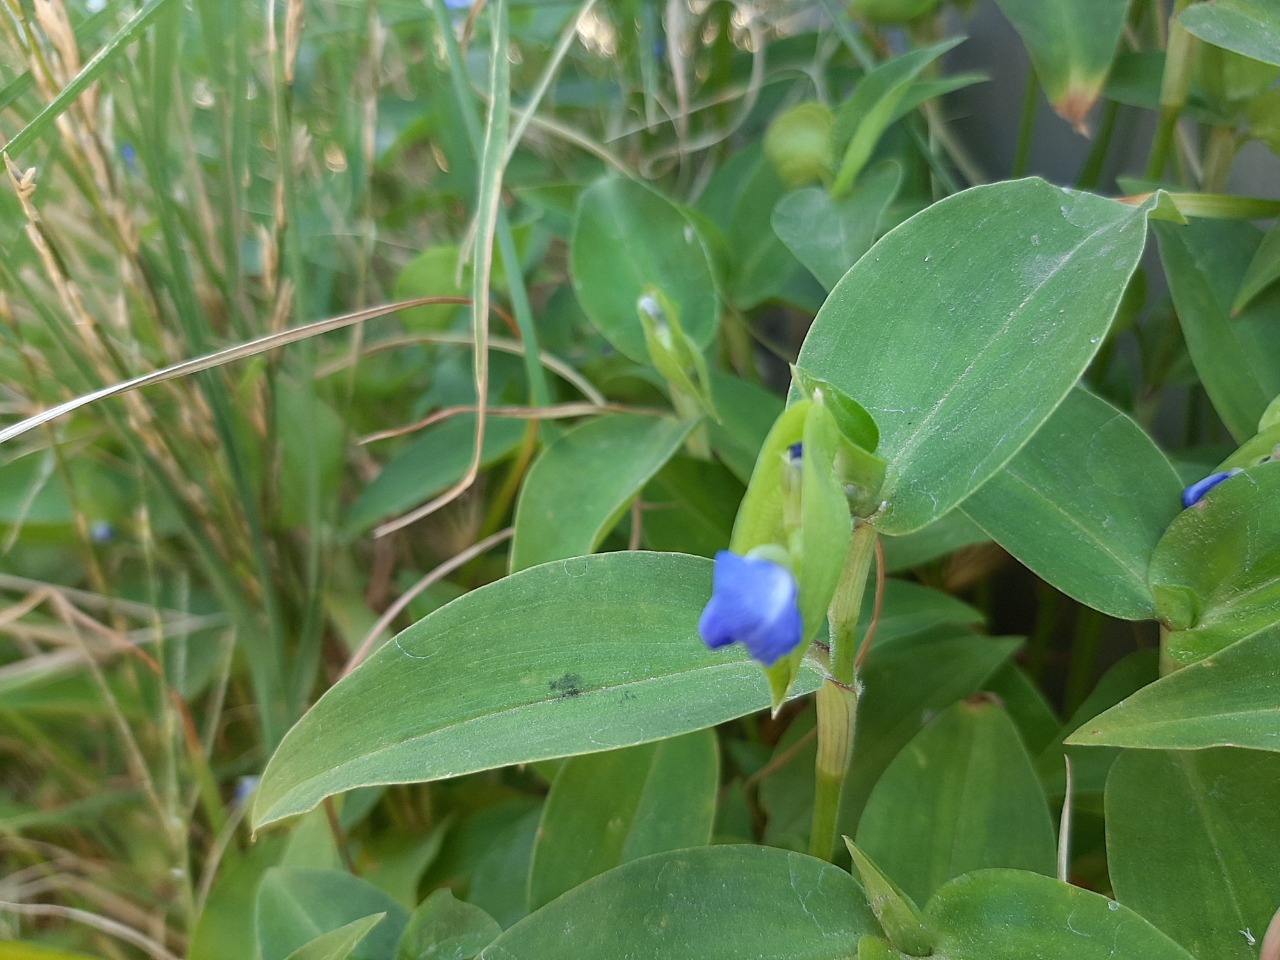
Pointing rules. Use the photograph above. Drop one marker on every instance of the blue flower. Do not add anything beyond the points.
(1195, 493)
(753, 602)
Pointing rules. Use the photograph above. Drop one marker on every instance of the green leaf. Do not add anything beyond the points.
(1090, 766)
(1264, 270)
(1193, 840)
(828, 236)
(759, 263)
(906, 682)
(338, 944)
(898, 914)
(961, 796)
(610, 808)
(963, 329)
(627, 238)
(948, 533)
(224, 928)
(693, 503)
(1011, 915)
(747, 413)
(706, 903)
(294, 907)
(908, 608)
(1084, 504)
(1248, 27)
(432, 273)
(1230, 699)
(442, 928)
(1216, 574)
(1072, 44)
(500, 883)
(437, 458)
(579, 486)
(576, 656)
(876, 103)
(1238, 358)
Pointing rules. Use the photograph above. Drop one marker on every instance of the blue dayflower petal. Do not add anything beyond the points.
(1195, 493)
(753, 602)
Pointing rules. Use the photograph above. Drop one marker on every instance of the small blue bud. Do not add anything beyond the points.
(102, 532)
(794, 452)
(244, 790)
(130, 157)
(753, 602)
(1195, 493)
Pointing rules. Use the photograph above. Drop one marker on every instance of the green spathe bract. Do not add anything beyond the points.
(576, 656)
(960, 350)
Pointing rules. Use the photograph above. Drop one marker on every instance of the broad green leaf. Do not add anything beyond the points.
(1034, 718)
(225, 927)
(827, 235)
(1072, 44)
(579, 486)
(312, 441)
(1193, 840)
(294, 907)
(905, 683)
(691, 505)
(950, 532)
(706, 903)
(609, 808)
(1091, 766)
(577, 656)
(627, 238)
(395, 860)
(759, 262)
(338, 944)
(1216, 574)
(1012, 915)
(963, 329)
(747, 413)
(961, 796)
(1084, 504)
(1248, 27)
(442, 928)
(500, 883)
(1264, 270)
(436, 459)
(876, 103)
(907, 608)
(1238, 358)
(432, 273)
(895, 909)
(1226, 700)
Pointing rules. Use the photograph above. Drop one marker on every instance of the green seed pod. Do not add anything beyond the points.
(891, 11)
(798, 144)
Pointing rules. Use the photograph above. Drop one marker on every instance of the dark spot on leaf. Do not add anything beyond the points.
(569, 685)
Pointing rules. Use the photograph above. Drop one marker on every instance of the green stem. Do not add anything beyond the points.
(847, 604)
(1178, 61)
(838, 698)
(1029, 99)
(837, 720)
(1091, 172)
